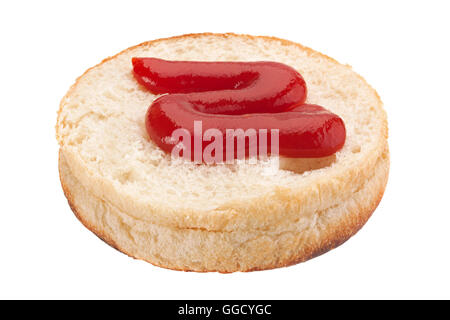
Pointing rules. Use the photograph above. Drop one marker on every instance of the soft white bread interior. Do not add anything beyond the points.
(224, 217)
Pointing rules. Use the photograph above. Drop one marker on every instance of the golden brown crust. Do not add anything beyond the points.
(330, 238)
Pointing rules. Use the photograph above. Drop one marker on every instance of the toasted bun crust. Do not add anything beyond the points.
(217, 218)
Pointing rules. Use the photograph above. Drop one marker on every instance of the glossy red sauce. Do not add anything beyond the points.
(237, 95)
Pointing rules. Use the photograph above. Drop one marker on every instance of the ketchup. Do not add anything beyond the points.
(236, 95)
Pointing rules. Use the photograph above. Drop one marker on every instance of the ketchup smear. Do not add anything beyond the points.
(237, 95)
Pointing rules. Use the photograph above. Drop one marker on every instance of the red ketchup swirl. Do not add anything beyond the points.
(236, 95)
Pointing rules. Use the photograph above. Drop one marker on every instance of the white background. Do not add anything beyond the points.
(400, 47)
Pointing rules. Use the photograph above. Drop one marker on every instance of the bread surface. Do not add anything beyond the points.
(224, 218)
